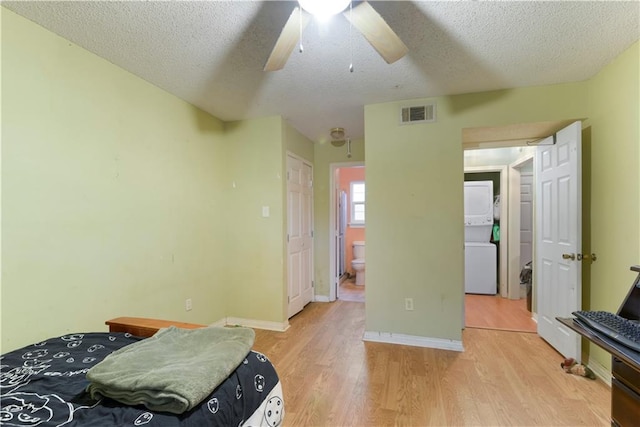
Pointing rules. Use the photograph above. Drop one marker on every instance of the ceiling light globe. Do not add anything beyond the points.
(324, 8)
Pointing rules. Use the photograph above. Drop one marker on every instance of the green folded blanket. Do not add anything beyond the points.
(173, 370)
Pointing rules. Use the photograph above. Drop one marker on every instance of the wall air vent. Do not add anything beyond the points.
(418, 114)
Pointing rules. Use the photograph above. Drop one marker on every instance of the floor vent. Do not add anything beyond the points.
(418, 114)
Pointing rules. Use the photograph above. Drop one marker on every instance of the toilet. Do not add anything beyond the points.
(357, 264)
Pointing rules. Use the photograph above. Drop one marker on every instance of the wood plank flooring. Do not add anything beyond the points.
(349, 291)
(481, 311)
(495, 312)
(331, 377)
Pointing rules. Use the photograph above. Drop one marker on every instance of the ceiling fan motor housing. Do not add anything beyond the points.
(337, 133)
(324, 8)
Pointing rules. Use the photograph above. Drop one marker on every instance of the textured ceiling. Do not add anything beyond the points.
(211, 54)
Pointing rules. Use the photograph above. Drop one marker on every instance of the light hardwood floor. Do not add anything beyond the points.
(331, 377)
(481, 311)
(495, 312)
(349, 291)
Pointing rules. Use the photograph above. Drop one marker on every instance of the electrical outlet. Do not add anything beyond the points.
(408, 304)
(187, 304)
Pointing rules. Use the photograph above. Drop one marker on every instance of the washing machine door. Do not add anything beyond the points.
(480, 268)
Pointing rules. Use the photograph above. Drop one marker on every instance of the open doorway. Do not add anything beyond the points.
(511, 148)
(347, 224)
(508, 166)
(507, 309)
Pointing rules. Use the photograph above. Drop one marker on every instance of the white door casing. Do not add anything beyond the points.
(526, 218)
(558, 226)
(513, 225)
(299, 233)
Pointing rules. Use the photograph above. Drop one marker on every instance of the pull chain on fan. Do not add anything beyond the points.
(350, 37)
(300, 36)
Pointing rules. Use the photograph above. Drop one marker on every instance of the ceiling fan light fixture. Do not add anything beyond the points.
(337, 133)
(324, 8)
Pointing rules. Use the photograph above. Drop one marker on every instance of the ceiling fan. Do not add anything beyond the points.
(338, 139)
(363, 16)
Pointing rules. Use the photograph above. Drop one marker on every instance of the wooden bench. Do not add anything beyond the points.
(144, 327)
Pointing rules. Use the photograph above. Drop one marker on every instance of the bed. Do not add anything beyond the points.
(45, 384)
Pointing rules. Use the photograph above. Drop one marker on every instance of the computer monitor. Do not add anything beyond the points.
(630, 307)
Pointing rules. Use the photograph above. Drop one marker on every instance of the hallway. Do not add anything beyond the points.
(349, 291)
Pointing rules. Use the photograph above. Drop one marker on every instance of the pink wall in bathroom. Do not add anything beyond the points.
(352, 233)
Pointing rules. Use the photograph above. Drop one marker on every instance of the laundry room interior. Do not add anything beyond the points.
(482, 277)
(493, 269)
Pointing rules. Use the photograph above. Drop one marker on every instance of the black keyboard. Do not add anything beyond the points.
(624, 331)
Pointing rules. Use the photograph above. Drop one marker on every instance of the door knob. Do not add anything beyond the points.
(569, 256)
(592, 257)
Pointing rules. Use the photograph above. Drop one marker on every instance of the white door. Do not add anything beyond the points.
(299, 233)
(339, 240)
(340, 221)
(526, 219)
(342, 226)
(557, 272)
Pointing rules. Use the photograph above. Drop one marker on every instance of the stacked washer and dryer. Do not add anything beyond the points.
(480, 256)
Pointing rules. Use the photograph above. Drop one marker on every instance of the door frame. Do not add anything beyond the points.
(504, 285)
(333, 205)
(514, 224)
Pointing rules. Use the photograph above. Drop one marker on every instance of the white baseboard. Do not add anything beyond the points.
(413, 340)
(601, 372)
(252, 323)
(221, 322)
(321, 298)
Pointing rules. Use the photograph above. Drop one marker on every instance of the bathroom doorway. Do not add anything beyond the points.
(347, 225)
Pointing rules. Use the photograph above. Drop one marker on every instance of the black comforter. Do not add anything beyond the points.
(44, 385)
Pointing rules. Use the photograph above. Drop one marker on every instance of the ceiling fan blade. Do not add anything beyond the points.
(287, 40)
(374, 28)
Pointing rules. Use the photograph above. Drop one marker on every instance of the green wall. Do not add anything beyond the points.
(415, 235)
(122, 200)
(254, 244)
(614, 112)
(112, 194)
(296, 143)
(414, 196)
